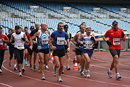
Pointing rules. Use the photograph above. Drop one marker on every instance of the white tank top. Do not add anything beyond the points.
(18, 42)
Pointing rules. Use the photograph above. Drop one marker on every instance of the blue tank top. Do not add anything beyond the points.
(88, 43)
(42, 40)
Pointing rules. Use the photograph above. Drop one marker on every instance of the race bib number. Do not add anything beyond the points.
(60, 41)
(88, 44)
(20, 46)
(45, 41)
(1, 42)
(116, 41)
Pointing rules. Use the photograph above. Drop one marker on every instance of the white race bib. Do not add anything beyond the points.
(60, 40)
(116, 41)
(89, 44)
(20, 46)
(1, 42)
(45, 41)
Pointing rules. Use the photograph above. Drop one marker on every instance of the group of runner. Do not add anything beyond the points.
(40, 43)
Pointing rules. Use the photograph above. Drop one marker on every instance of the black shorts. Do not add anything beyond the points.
(45, 51)
(26, 47)
(59, 52)
(115, 52)
(66, 47)
(30, 51)
(78, 51)
(35, 48)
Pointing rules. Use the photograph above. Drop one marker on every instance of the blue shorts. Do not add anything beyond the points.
(88, 51)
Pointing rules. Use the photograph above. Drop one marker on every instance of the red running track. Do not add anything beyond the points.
(98, 69)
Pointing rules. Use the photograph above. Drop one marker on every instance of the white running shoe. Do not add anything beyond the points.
(46, 67)
(20, 73)
(79, 68)
(54, 71)
(43, 77)
(118, 77)
(15, 67)
(59, 79)
(0, 70)
(109, 74)
(88, 74)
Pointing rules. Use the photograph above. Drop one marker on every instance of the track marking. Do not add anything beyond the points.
(34, 78)
(5, 84)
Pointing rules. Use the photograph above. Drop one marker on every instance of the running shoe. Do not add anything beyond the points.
(0, 70)
(67, 68)
(39, 69)
(20, 73)
(118, 77)
(54, 71)
(46, 67)
(23, 70)
(15, 67)
(81, 73)
(59, 79)
(34, 68)
(31, 67)
(62, 72)
(27, 64)
(43, 77)
(109, 74)
(79, 68)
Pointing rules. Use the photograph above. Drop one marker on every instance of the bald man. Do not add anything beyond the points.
(43, 39)
(37, 26)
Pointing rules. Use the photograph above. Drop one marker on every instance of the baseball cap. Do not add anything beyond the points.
(65, 26)
(114, 22)
(32, 27)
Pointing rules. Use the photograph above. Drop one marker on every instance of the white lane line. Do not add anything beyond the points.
(35, 78)
(106, 61)
(5, 84)
(109, 83)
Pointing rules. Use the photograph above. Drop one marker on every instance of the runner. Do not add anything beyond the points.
(42, 45)
(3, 39)
(58, 38)
(26, 55)
(79, 47)
(35, 51)
(115, 35)
(67, 52)
(11, 46)
(19, 38)
(29, 50)
(88, 43)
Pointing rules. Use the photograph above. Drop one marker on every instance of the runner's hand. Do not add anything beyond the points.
(68, 49)
(35, 42)
(53, 47)
(31, 47)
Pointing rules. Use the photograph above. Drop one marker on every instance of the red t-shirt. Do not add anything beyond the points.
(2, 44)
(114, 38)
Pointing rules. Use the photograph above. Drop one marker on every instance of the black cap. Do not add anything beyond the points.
(0, 27)
(17, 27)
(32, 27)
(114, 22)
(65, 26)
(25, 27)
